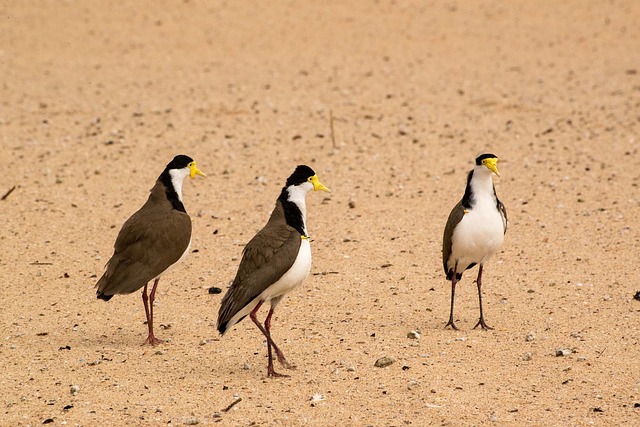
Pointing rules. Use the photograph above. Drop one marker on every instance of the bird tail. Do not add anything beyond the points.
(103, 296)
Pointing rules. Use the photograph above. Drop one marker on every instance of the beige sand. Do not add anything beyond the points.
(97, 97)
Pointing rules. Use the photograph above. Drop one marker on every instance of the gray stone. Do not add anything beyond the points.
(385, 361)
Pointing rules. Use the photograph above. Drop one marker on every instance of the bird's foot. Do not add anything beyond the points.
(482, 324)
(287, 365)
(152, 340)
(272, 373)
(284, 362)
(450, 323)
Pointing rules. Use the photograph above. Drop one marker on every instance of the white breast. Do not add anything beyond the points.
(294, 276)
(478, 236)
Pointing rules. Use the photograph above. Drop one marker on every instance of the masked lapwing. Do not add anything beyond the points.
(475, 229)
(152, 240)
(275, 261)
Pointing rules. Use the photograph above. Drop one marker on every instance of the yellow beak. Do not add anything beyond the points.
(492, 165)
(193, 170)
(317, 185)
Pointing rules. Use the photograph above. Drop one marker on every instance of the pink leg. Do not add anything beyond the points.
(281, 358)
(148, 310)
(270, 371)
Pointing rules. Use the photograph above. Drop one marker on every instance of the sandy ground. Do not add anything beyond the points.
(96, 98)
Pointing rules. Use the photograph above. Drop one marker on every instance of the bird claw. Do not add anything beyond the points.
(483, 325)
(152, 340)
(284, 362)
(287, 365)
(453, 325)
(272, 373)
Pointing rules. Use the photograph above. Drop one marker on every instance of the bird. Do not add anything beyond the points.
(275, 261)
(475, 229)
(152, 241)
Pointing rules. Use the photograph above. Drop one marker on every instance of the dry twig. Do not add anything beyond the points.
(8, 192)
(234, 403)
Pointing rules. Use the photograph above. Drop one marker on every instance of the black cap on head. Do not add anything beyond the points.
(300, 175)
(481, 157)
(180, 161)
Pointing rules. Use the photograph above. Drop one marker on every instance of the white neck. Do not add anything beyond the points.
(177, 177)
(482, 182)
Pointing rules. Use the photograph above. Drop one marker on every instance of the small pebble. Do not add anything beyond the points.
(246, 366)
(317, 397)
(530, 337)
(414, 335)
(351, 369)
(215, 290)
(192, 422)
(461, 339)
(527, 356)
(352, 204)
(563, 352)
(385, 361)
(74, 389)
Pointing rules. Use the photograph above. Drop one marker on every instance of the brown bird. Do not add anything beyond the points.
(274, 262)
(475, 229)
(153, 240)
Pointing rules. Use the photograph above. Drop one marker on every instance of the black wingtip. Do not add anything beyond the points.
(222, 328)
(104, 297)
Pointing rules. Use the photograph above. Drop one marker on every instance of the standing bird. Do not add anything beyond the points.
(152, 240)
(274, 262)
(475, 229)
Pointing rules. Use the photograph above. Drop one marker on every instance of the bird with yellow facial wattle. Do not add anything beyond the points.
(275, 261)
(152, 241)
(475, 229)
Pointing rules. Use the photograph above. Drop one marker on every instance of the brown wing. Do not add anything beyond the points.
(454, 218)
(269, 255)
(151, 241)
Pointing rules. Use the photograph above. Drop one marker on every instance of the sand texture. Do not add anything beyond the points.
(97, 97)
